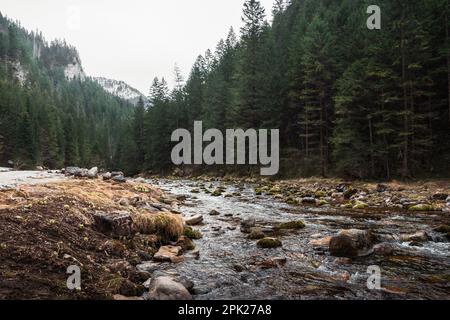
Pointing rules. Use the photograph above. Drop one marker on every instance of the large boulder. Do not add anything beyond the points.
(352, 243)
(119, 179)
(82, 173)
(165, 288)
(71, 171)
(115, 225)
(92, 173)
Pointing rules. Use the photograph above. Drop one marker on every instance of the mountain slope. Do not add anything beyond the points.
(51, 113)
(120, 89)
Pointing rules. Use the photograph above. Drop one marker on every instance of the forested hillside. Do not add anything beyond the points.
(50, 113)
(348, 100)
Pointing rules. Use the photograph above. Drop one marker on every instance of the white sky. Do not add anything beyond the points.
(132, 40)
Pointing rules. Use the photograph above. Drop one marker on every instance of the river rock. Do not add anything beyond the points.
(185, 243)
(422, 207)
(351, 243)
(115, 225)
(269, 243)
(439, 196)
(119, 179)
(247, 224)
(256, 234)
(308, 200)
(420, 236)
(324, 242)
(71, 171)
(168, 254)
(194, 220)
(92, 173)
(107, 176)
(165, 288)
(214, 213)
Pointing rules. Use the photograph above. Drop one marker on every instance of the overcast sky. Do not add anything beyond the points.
(132, 40)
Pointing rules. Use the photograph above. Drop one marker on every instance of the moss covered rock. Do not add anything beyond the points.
(360, 205)
(256, 234)
(422, 207)
(292, 225)
(269, 243)
(192, 234)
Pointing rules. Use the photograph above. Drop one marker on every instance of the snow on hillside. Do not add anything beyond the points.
(120, 89)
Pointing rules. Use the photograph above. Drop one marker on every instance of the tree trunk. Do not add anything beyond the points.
(405, 165)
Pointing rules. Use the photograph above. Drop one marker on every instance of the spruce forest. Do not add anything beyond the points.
(349, 101)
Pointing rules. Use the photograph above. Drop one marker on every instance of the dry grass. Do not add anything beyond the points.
(167, 226)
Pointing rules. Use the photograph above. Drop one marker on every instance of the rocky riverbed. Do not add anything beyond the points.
(223, 239)
(410, 247)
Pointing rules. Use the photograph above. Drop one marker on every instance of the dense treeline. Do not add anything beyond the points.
(44, 118)
(347, 100)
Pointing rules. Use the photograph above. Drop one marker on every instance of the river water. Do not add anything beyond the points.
(229, 266)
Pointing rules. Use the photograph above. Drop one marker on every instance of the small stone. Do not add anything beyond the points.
(247, 224)
(256, 234)
(194, 220)
(214, 213)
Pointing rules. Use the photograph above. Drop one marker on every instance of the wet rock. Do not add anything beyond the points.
(165, 288)
(439, 196)
(115, 225)
(349, 192)
(116, 174)
(268, 243)
(247, 225)
(92, 173)
(443, 229)
(192, 233)
(194, 220)
(185, 243)
(149, 266)
(324, 242)
(277, 262)
(351, 243)
(214, 213)
(308, 200)
(420, 236)
(382, 188)
(256, 234)
(168, 254)
(292, 225)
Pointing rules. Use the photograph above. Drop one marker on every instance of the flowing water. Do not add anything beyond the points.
(230, 266)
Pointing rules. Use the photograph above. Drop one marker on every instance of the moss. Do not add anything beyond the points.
(269, 243)
(291, 200)
(166, 226)
(258, 191)
(256, 234)
(217, 193)
(195, 191)
(322, 203)
(360, 205)
(292, 225)
(320, 194)
(422, 207)
(192, 234)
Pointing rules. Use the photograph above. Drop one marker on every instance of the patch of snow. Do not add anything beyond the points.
(120, 89)
(74, 71)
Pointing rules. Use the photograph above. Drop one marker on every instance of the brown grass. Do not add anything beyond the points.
(167, 226)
